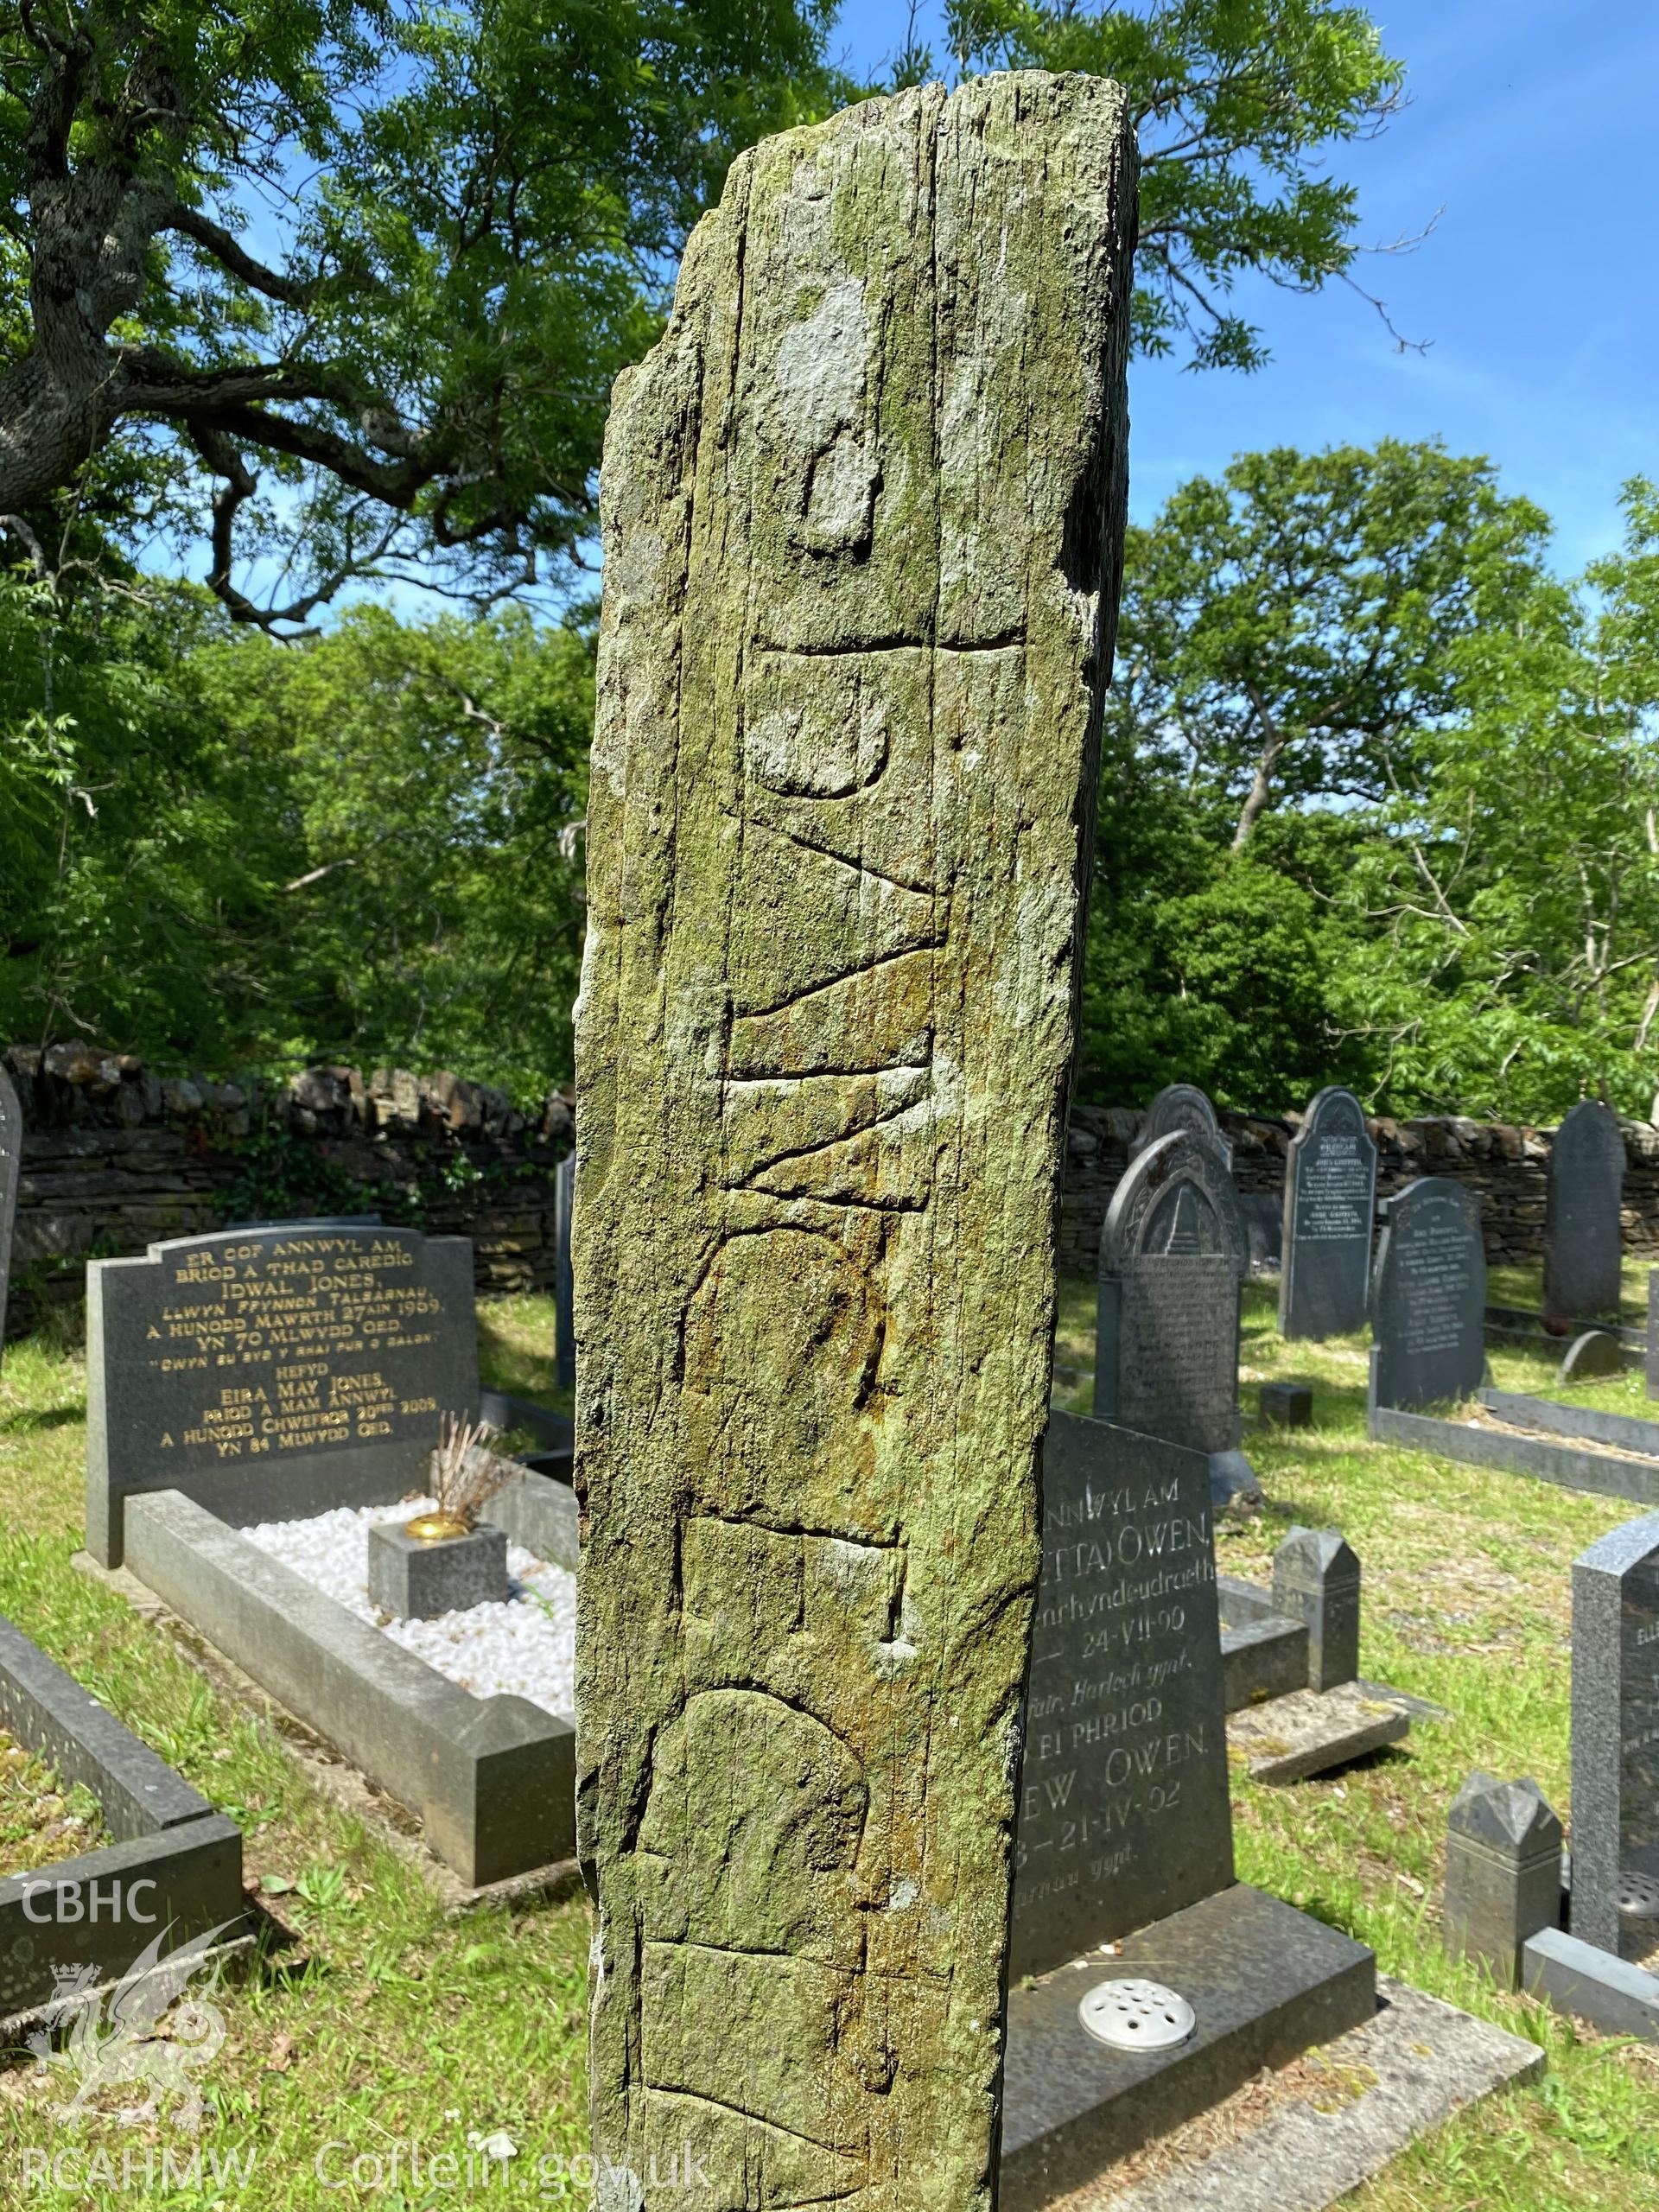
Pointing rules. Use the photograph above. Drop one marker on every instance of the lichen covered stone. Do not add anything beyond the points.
(863, 516)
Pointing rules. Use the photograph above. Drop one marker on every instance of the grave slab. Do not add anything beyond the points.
(1615, 1996)
(1330, 1206)
(1604, 1472)
(1421, 2060)
(1310, 1731)
(1625, 1431)
(273, 1373)
(1265, 1982)
(491, 1779)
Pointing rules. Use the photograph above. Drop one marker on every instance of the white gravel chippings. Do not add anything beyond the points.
(527, 1646)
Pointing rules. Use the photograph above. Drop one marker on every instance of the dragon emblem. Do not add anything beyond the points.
(111, 2039)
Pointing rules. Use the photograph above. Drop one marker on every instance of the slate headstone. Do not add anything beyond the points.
(11, 1154)
(1429, 1297)
(1180, 1108)
(1651, 1367)
(564, 1284)
(1263, 1214)
(1596, 1351)
(1124, 1812)
(1582, 1243)
(273, 1373)
(1167, 1307)
(1330, 1201)
(1616, 1737)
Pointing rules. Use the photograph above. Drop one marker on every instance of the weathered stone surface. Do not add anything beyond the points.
(1429, 1297)
(274, 1372)
(1123, 1806)
(1581, 1230)
(1286, 1405)
(862, 508)
(1615, 1728)
(1310, 1731)
(1167, 1298)
(564, 1288)
(1588, 1983)
(1330, 1201)
(11, 1153)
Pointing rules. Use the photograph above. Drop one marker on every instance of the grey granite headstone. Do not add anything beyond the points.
(1180, 1108)
(272, 1373)
(564, 1281)
(1429, 1297)
(1582, 1244)
(1615, 1734)
(1167, 1305)
(11, 1154)
(1124, 1814)
(1330, 1200)
(1316, 1581)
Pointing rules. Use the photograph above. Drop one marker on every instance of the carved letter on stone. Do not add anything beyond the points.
(863, 511)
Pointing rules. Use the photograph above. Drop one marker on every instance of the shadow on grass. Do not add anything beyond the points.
(27, 1421)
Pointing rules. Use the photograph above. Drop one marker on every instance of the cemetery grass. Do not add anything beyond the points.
(373, 2019)
(370, 2018)
(1467, 1602)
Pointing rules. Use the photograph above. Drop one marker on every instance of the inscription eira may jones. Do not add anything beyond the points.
(1124, 1815)
(269, 1372)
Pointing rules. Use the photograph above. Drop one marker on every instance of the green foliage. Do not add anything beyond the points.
(1238, 105)
(357, 275)
(232, 853)
(1380, 797)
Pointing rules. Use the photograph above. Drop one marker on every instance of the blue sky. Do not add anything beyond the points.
(1531, 125)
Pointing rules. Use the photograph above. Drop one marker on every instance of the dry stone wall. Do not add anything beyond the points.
(118, 1154)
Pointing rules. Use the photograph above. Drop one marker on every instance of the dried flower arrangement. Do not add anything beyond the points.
(466, 1475)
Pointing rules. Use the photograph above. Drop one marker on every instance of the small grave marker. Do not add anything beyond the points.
(1330, 1201)
(1616, 1738)
(1429, 1297)
(1582, 1243)
(273, 1372)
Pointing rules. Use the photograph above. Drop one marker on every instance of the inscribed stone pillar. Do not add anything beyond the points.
(863, 509)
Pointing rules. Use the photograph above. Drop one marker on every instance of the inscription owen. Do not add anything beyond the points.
(1123, 1803)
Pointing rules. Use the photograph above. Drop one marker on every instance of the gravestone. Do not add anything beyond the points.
(1429, 1297)
(1330, 1201)
(1124, 1812)
(1616, 1739)
(272, 1373)
(1167, 1298)
(1650, 1365)
(1583, 1246)
(564, 1318)
(1263, 1214)
(11, 1157)
(1180, 1108)
(863, 509)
